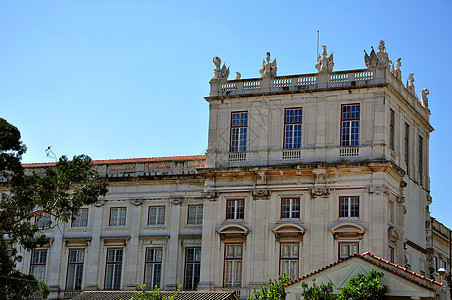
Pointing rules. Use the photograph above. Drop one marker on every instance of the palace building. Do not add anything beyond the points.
(300, 172)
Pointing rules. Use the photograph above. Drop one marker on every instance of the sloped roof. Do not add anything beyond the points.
(125, 160)
(184, 295)
(384, 264)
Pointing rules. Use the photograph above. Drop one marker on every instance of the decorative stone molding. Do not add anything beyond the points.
(136, 202)
(377, 190)
(319, 192)
(210, 195)
(99, 203)
(288, 231)
(233, 232)
(261, 194)
(176, 200)
(393, 234)
(429, 199)
(348, 230)
(400, 200)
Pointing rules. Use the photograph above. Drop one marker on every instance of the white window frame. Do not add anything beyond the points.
(118, 216)
(156, 215)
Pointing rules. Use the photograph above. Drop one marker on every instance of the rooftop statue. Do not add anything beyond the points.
(372, 59)
(424, 98)
(238, 76)
(379, 59)
(324, 64)
(397, 72)
(268, 68)
(410, 84)
(383, 59)
(219, 74)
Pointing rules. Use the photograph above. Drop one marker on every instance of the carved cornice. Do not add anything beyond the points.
(319, 192)
(261, 194)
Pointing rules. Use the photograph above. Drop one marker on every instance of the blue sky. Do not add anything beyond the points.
(121, 79)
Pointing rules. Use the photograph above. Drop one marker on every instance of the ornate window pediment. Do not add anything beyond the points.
(348, 231)
(233, 232)
(288, 231)
(393, 234)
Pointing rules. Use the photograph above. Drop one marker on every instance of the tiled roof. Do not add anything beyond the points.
(184, 295)
(126, 160)
(382, 263)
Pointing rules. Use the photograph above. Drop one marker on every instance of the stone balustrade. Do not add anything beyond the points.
(294, 82)
(316, 81)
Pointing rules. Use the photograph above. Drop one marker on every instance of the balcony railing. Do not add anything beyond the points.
(294, 82)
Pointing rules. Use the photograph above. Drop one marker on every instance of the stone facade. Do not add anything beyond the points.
(300, 171)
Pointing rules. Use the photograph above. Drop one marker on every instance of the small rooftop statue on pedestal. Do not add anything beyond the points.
(268, 68)
(424, 98)
(379, 59)
(397, 72)
(410, 84)
(324, 64)
(219, 74)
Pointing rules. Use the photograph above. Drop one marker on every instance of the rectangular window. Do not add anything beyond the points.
(292, 128)
(156, 215)
(153, 268)
(195, 214)
(289, 259)
(75, 269)
(80, 220)
(114, 268)
(43, 221)
(350, 125)
(290, 208)
(38, 264)
(435, 263)
(118, 216)
(348, 207)
(391, 254)
(239, 127)
(421, 160)
(391, 130)
(192, 268)
(391, 212)
(233, 265)
(348, 249)
(235, 209)
(407, 148)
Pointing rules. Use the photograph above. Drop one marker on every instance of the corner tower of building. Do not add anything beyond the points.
(303, 170)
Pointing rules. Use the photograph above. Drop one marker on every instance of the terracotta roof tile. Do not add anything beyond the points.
(386, 265)
(125, 160)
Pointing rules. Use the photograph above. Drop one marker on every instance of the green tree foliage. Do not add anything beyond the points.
(60, 193)
(364, 287)
(317, 292)
(274, 291)
(156, 294)
(360, 287)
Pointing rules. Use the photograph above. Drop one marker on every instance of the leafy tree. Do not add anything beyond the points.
(60, 193)
(156, 294)
(364, 287)
(274, 291)
(317, 292)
